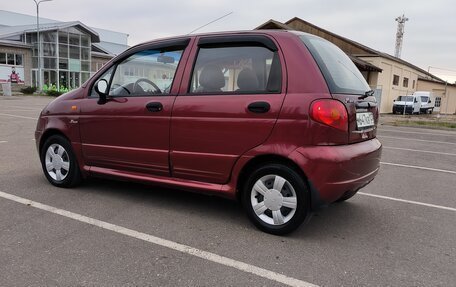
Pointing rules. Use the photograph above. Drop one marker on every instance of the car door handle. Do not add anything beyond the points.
(154, 107)
(259, 107)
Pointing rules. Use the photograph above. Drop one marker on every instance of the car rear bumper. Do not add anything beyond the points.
(333, 171)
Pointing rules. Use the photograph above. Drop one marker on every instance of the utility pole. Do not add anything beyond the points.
(399, 34)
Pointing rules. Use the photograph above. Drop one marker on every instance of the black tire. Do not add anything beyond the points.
(347, 196)
(294, 184)
(72, 176)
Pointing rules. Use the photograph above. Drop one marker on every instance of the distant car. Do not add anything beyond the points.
(281, 120)
(419, 102)
(427, 101)
(407, 104)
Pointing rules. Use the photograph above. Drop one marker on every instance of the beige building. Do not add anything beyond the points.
(388, 76)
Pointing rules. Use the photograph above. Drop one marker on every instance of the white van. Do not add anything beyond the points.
(407, 104)
(426, 100)
(419, 102)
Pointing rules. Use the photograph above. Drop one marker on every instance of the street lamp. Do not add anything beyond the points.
(38, 39)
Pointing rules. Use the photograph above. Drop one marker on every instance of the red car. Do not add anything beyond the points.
(281, 120)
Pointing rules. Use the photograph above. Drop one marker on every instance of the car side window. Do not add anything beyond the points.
(148, 72)
(238, 70)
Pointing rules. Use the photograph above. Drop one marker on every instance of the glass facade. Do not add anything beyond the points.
(65, 57)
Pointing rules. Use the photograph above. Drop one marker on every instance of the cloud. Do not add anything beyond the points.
(428, 41)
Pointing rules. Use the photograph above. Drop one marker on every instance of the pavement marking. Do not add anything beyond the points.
(418, 150)
(24, 108)
(408, 132)
(409, 201)
(3, 142)
(417, 140)
(419, 167)
(9, 111)
(245, 267)
(16, 116)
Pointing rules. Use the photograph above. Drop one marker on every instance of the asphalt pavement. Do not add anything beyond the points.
(400, 231)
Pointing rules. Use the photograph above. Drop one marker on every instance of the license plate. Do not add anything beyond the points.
(364, 120)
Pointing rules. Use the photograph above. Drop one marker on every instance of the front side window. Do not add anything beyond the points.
(145, 73)
(245, 69)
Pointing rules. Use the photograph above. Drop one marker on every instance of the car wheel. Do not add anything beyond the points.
(276, 199)
(59, 162)
(430, 111)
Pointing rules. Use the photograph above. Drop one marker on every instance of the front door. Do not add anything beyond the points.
(130, 132)
(228, 104)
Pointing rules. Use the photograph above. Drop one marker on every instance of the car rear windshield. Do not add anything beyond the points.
(341, 75)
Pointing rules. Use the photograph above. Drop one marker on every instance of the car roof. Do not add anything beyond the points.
(272, 32)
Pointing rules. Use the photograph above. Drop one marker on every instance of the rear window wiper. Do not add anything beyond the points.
(367, 94)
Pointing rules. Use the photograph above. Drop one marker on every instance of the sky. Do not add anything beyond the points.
(429, 39)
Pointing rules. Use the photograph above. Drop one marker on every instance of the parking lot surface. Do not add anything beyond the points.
(399, 231)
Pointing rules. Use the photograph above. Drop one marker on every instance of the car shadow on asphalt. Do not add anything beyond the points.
(333, 221)
(173, 199)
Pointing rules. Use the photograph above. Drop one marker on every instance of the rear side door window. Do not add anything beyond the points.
(243, 69)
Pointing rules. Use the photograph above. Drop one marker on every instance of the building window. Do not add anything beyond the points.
(405, 83)
(396, 80)
(2, 58)
(11, 59)
(438, 101)
(18, 59)
(413, 84)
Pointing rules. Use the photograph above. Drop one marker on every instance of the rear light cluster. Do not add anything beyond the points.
(330, 112)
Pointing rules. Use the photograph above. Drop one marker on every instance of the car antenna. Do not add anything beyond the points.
(211, 22)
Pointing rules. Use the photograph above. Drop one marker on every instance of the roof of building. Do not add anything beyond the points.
(369, 51)
(11, 31)
(117, 41)
(14, 44)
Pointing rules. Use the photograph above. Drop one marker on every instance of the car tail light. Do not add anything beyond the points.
(330, 112)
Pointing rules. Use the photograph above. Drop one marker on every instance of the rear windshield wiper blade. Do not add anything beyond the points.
(367, 94)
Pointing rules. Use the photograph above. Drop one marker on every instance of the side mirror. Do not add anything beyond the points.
(101, 87)
(429, 101)
(394, 101)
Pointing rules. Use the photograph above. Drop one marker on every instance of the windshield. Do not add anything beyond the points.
(405, 98)
(341, 75)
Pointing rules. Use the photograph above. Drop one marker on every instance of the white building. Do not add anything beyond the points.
(69, 51)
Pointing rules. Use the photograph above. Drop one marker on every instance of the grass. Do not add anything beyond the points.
(432, 124)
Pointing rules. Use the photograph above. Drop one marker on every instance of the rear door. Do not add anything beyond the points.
(230, 99)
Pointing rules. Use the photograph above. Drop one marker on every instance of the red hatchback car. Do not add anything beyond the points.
(281, 120)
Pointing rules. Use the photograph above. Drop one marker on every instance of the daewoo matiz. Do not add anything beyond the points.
(281, 120)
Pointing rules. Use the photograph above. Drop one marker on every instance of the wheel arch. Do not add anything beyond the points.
(257, 161)
(48, 133)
